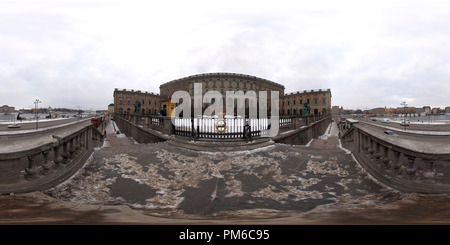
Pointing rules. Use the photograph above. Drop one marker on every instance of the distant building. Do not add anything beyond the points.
(6, 109)
(124, 101)
(111, 109)
(335, 110)
(377, 111)
(447, 110)
(420, 110)
(390, 111)
(318, 100)
(406, 110)
(436, 111)
(427, 109)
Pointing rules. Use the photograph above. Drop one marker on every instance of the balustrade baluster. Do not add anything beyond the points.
(32, 170)
(365, 144)
(377, 154)
(71, 149)
(371, 148)
(411, 169)
(46, 164)
(65, 154)
(57, 157)
(77, 143)
(396, 164)
(82, 140)
(386, 160)
(430, 173)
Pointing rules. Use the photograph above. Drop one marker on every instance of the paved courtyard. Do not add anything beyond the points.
(126, 182)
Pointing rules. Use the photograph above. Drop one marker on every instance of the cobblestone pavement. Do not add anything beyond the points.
(281, 184)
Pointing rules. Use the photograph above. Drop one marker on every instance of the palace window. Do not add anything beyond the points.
(120, 101)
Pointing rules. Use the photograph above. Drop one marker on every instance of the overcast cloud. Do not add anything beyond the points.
(370, 53)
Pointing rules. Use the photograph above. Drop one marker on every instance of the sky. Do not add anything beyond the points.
(369, 53)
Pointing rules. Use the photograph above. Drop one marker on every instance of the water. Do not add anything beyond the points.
(31, 116)
(425, 119)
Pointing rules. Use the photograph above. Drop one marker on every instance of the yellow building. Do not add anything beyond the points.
(168, 107)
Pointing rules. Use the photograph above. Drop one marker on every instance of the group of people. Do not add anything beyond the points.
(162, 112)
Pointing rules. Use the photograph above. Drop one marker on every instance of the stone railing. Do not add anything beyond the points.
(301, 130)
(403, 164)
(41, 160)
(158, 123)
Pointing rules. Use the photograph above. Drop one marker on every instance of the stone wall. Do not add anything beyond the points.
(405, 165)
(303, 134)
(40, 160)
(140, 132)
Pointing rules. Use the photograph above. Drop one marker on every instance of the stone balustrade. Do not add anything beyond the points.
(41, 160)
(160, 123)
(406, 165)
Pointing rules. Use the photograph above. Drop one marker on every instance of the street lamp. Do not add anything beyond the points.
(36, 102)
(405, 106)
(79, 112)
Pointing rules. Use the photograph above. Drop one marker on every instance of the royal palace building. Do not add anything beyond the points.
(319, 102)
(124, 101)
(290, 104)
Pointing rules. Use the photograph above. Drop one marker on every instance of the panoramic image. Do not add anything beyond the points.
(216, 121)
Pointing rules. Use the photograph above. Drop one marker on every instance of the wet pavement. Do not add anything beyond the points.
(129, 183)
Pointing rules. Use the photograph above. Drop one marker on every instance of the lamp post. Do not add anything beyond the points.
(405, 109)
(36, 102)
(79, 112)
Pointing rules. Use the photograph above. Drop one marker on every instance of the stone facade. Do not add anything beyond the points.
(377, 111)
(222, 82)
(124, 101)
(290, 104)
(110, 109)
(318, 100)
(6, 109)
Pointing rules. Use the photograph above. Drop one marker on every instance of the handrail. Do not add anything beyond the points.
(42, 161)
(411, 166)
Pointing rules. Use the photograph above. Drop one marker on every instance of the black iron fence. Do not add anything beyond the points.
(218, 128)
